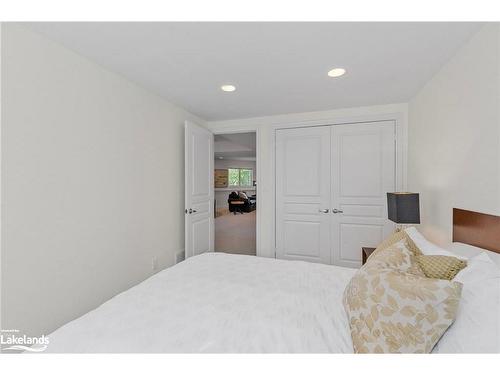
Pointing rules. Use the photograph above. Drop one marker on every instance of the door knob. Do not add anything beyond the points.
(335, 211)
(325, 211)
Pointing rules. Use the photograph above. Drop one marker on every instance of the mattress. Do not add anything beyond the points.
(220, 303)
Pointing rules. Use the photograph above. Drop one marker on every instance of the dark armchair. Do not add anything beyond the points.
(243, 204)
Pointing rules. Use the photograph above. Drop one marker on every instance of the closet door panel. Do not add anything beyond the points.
(363, 171)
(303, 194)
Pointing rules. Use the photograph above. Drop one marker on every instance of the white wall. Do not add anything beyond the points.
(222, 194)
(92, 183)
(266, 126)
(454, 136)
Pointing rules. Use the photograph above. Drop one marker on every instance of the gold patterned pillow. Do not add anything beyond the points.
(391, 311)
(397, 256)
(440, 266)
(397, 237)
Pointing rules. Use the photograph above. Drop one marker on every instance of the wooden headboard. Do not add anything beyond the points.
(476, 229)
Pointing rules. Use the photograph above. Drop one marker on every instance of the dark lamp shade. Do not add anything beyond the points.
(403, 208)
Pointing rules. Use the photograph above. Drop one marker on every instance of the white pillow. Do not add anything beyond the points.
(477, 325)
(427, 247)
(479, 268)
(470, 251)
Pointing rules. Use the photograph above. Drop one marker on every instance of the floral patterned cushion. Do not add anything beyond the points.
(398, 256)
(397, 237)
(393, 308)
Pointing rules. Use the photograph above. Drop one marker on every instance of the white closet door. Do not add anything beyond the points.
(303, 194)
(362, 172)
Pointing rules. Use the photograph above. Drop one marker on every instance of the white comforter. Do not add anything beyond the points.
(220, 303)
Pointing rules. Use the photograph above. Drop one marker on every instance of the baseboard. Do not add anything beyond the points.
(180, 256)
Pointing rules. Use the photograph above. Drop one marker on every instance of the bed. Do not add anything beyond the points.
(218, 302)
(222, 303)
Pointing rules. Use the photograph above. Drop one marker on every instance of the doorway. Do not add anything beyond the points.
(235, 187)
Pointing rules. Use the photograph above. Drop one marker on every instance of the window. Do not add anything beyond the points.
(240, 177)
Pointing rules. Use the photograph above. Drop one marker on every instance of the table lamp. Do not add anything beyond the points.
(403, 208)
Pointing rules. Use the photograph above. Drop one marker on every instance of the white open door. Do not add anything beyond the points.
(199, 190)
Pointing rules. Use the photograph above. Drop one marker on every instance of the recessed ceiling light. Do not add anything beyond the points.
(228, 88)
(221, 157)
(336, 72)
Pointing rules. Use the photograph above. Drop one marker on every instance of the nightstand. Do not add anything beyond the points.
(366, 252)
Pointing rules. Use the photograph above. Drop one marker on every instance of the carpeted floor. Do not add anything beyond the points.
(235, 234)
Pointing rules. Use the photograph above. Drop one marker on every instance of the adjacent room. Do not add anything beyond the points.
(235, 181)
(250, 187)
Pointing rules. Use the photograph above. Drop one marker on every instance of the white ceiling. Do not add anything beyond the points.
(235, 146)
(277, 67)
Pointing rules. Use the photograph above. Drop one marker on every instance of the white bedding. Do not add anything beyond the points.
(477, 327)
(220, 303)
(468, 251)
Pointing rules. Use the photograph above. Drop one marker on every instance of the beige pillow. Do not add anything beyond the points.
(393, 307)
(397, 237)
(397, 256)
(440, 266)
(398, 312)
(433, 266)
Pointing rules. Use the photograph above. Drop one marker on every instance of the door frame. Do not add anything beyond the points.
(238, 130)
